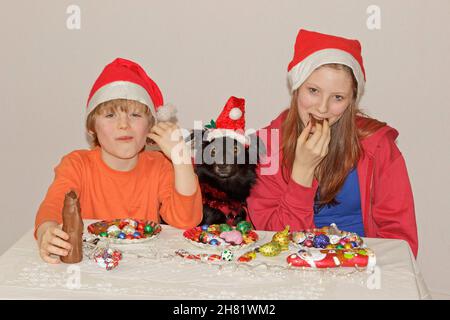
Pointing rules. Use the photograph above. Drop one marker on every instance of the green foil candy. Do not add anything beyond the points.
(148, 229)
(225, 227)
(244, 227)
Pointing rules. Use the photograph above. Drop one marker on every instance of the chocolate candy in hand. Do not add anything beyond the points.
(315, 121)
(73, 226)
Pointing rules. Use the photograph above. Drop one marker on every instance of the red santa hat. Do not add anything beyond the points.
(230, 123)
(125, 79)
(313, 49)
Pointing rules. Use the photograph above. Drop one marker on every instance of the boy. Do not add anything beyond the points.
(118, 178)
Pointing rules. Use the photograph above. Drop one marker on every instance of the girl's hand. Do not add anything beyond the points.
(53, 241)
(168, 137)
(310, 151)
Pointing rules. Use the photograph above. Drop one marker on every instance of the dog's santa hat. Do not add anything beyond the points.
(125, 79)
(314, 49)
(230, 123)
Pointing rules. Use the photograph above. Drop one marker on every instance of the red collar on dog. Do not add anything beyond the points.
(219, 200)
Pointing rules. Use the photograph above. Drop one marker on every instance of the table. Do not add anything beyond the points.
(151, 270)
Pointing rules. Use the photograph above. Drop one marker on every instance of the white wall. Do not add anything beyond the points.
(200, 52)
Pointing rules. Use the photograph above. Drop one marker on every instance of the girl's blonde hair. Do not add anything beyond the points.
(344, 149)
(113, 106)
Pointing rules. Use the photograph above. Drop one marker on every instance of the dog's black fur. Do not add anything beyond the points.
(234, 179)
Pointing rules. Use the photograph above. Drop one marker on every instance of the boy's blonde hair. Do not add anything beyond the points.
(114, 106)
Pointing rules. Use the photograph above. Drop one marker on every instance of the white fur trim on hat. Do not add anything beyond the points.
(121, 90)
(301, 71)
(220, 133)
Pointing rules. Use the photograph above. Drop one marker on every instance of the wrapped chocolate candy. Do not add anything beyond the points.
(73, 226)
(113, 231)
(282, 238)
(107, 258)
(225, 227)
(244, 227)
(248, 256)
(233, 237)
(298, 237)
(270, 249)
(227, 255)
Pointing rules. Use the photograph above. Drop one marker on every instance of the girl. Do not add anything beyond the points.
(336, 164)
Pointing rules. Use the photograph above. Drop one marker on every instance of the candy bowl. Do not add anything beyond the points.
(221, 237)
(328, 237)
(124, 231)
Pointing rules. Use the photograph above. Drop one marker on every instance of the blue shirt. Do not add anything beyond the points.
(347, 213)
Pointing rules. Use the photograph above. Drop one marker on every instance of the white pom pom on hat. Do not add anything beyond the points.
(166, 112)
(231, 122)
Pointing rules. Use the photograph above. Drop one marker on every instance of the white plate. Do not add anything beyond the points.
(125, 241)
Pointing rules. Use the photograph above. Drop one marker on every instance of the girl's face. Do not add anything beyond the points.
(122, 132)
(326, 94)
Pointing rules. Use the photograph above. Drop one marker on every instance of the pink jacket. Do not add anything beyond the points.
(386, 197)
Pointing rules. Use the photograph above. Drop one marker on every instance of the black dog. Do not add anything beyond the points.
(226, 171)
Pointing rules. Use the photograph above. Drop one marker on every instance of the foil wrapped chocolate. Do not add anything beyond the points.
(73, 226)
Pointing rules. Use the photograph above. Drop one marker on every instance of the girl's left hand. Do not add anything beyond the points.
(168, 137)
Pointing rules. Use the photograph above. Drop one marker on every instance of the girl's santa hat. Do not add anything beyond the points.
(230, 123)
(313, 49)
(125, 79)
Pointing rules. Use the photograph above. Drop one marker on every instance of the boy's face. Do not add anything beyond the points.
(122, 128)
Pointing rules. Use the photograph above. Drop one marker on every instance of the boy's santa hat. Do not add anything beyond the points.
(125, 79)
(313, 49)
(230, 123)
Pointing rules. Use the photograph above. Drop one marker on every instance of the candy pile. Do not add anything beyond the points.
(280, 242)
(223, 234)
(107, 258)
(327, 238)
(125, 229)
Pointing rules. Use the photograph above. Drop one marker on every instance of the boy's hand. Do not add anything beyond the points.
(168, 137)
(53, 241)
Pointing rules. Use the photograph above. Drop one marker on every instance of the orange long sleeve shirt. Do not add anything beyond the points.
(146, 192)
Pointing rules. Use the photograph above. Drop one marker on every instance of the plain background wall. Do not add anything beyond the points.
(200, 52)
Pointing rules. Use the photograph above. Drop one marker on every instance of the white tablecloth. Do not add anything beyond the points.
(151, 270)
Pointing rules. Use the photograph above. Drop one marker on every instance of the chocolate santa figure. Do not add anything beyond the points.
(73, 226)
(318, 258)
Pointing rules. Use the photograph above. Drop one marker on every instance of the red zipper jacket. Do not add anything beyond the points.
(387, 202)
